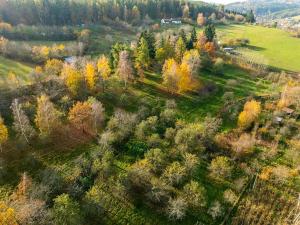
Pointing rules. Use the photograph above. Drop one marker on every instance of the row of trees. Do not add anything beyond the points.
(39, 53)
(72, 12)
(85, 118)
(26, 33)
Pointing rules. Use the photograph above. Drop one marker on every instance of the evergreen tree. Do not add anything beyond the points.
(210, 32)
(180, 49)
(250, 18)
(192, 40)
(143, 55)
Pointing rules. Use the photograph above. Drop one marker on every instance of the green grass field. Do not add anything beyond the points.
(278, 47)
(21, 70)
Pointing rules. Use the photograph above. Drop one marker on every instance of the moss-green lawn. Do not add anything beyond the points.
(280, 49)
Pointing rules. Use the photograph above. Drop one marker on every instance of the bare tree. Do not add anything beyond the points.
(21, 123)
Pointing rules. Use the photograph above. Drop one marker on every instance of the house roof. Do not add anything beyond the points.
(288, 110)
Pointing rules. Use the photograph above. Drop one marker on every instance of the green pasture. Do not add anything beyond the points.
(278, 47)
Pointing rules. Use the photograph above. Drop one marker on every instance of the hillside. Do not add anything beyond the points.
(278, 8)
(271, 46)
(146, 112)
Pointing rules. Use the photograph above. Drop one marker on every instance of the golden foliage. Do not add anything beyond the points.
(210, 48)
(47, 117)
(90, 76)
(103, 67)
(7, 215)
(73, 79)
(80, 117)
(53, 66)
(250, 113)
(3, 133)
(171, 75)
(201, 19)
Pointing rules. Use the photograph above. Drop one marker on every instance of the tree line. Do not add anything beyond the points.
(74, 12)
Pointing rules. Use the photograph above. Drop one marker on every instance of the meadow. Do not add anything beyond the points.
(279, 48)
(21, 70)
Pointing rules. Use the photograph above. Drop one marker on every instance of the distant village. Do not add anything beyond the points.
(288, 23)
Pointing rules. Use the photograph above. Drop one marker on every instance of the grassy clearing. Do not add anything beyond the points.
(103, 37)
(20, 69)
(278, 47)
(195, 106)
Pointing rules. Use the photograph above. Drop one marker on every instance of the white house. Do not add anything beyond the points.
(171, 21)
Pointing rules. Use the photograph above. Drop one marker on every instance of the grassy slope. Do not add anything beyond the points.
(196, 106)
(277, 46)
(20, 69)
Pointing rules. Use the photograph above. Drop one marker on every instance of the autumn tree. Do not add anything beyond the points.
(3, 133)
(103, 69)
(90, 76)
(74, 79)
(186, 11)
(171, 75)
(174, 173)
(177, 208)
(80, 117)
(7, 215)
(53, 67)
(21, 124)
(136, 15)
(194, 195)
(250, 113)
(87, 117)
(210, 48)
(66, 211)
(220, 167)
(192, 60)
(97, 114)
(188, 138)
(125, 69)
(201, 19)
(185, 81)
(47, 117)
(201, 41)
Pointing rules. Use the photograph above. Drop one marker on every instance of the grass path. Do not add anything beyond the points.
(278, 47)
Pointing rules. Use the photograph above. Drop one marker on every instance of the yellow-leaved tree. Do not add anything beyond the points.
(7, 215)
(171, 75)
(3, 133)
(185, 81)
(90, 76)
(80, 117)
(250, 113)
(103, 69)
(73, 79)
(47, 117)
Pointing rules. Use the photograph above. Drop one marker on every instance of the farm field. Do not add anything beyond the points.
(281, 50)
(21, 70)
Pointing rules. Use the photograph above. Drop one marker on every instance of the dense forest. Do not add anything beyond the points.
(75, 12)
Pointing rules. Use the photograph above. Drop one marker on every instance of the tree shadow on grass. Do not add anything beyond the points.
(255, 48)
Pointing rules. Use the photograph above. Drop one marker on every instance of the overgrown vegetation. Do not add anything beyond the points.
(161, 128)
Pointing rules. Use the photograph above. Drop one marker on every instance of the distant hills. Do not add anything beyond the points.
(273, 8)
